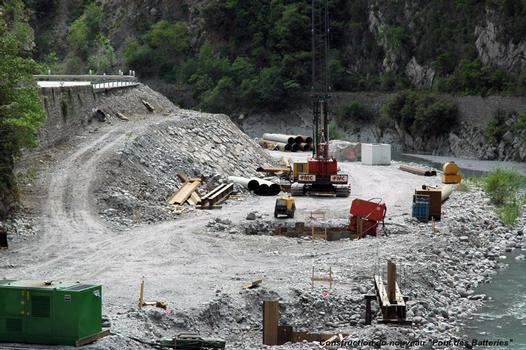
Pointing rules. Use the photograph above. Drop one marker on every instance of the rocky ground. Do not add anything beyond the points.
(198, 261)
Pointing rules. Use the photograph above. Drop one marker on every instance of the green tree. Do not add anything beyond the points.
(20, 109)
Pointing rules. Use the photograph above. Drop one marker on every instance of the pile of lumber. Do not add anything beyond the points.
(187, 192)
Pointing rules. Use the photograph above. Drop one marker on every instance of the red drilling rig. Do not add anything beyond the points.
(321, 176)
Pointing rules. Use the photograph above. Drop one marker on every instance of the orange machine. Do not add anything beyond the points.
(365, 216)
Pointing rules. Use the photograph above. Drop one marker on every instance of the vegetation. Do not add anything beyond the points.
(420, 113)
(353, 113)
(260, 50)
(20, 108)
(503, 122)
(504, 189)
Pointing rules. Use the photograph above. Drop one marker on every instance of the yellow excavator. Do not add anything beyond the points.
(285, 205)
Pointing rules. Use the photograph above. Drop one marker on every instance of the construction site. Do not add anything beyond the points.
(145, 225)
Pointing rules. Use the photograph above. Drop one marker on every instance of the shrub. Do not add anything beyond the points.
(353, 112)
(496, 127)
(420, 113)
(502, 185)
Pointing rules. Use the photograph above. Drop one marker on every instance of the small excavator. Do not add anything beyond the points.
(320, 174)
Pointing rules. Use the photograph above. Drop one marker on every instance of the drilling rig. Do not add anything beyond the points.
(319, 175)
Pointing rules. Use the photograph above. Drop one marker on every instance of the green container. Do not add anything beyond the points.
(49, 313)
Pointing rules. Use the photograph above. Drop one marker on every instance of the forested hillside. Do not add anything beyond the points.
(233, 54)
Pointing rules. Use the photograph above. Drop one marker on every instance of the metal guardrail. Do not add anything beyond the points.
(94, 79)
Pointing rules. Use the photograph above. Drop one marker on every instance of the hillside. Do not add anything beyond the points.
(257, 53)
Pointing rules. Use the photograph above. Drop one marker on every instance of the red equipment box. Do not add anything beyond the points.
(370, 212)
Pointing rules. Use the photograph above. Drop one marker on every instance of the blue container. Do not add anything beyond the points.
(421, 207)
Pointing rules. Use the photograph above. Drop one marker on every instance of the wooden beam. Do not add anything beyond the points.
(180, 196)
(391, 282)
(270, 322)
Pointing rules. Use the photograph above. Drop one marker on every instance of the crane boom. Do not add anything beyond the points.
(320, 76)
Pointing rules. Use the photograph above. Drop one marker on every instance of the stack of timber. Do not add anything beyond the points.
(186, 191)
(287, 143)
(217, 196)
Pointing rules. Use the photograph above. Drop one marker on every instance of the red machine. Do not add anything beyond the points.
(365, 216)
(322, 177)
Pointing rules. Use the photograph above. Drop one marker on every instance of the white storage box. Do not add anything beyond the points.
(376, 154)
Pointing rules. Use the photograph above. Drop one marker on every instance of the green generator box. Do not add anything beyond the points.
(57, 313)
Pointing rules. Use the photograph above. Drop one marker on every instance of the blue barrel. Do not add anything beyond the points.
(421, 207)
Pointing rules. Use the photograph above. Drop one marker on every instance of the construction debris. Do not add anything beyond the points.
(216, 196)
(142, 303)
(122, 116)
(191, 341)
(148, 106)
(253, 284)
(418, 170)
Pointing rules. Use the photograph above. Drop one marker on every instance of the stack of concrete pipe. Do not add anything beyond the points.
(286, 143)
(259, 186)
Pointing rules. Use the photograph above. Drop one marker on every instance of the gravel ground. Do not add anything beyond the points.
(198, 262)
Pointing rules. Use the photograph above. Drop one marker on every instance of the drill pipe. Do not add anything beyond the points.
(279, 138)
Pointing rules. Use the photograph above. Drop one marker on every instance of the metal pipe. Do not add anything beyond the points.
(306, 139)
(262, 190)
(253, 184)
(243, 181)
(418, 170)
(263, 187)
(280, 138)
(446, 192)
(305, 147)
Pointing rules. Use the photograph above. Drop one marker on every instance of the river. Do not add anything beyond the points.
(503, 315)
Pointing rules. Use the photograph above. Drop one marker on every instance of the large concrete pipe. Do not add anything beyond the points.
(294, 147)
(279, 138)
(446, 192)
(243, 181)
(263, 187)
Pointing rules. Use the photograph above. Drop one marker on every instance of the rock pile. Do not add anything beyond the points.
(142, 175)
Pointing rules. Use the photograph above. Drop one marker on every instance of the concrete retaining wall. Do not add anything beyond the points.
(68, 109)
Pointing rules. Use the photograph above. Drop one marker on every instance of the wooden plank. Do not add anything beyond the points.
(284, 334)
(391, 282)
(92, 338)
(270, 322)
(298, 337)
(381, 292)
(253, 284)
(184, 193)
(182, 177)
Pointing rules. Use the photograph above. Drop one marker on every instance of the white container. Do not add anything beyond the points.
(376, 154)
